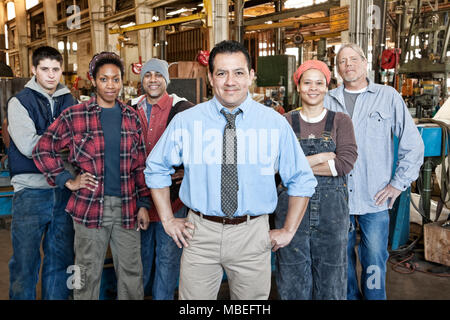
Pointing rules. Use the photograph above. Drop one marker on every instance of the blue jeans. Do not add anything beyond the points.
(38, 213)
(155, 241)
(373, 255)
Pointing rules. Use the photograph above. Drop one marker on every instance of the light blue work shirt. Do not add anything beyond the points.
(379, 114)
(265, 144)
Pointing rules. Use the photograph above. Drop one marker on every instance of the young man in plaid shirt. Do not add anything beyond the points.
(110, 199)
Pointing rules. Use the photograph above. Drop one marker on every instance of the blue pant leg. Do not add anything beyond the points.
(167, 265)
(352, 276)
(31, 213)
(148, 255)
(58, 250)
(293, 263)
(374, 254)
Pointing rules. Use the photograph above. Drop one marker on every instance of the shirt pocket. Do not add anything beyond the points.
(132, 139)
(379, 125)
(84, 148)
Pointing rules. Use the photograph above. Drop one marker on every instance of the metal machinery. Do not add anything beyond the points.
(275, 73)
(422, 39)
(424, 61)
(424, 69)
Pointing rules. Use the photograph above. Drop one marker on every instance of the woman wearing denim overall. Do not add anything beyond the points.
(314, 264)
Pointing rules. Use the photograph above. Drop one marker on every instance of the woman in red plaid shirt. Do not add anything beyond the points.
(110, 199)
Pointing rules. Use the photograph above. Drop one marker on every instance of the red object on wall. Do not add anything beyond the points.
(203, 57)
(390, 58)
(75, 84)
(137, 67)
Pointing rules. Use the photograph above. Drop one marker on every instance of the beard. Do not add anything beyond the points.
(354, 78)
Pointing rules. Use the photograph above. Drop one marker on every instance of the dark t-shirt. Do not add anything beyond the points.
(111, 121)
(350, 101)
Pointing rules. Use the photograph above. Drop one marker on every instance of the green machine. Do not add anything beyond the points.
(277, 73)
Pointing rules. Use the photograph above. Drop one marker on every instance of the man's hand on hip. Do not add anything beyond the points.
(388, 192)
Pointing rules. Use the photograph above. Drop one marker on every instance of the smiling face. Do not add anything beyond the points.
(154, 86)
(108, 82)
(312, 88)
(48, 73)
(231, 79)
(351, 66)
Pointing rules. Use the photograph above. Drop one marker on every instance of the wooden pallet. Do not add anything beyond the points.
(437, 243)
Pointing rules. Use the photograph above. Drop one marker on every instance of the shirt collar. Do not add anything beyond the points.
(92, 104)
(163, 102)
(371, 87)
(339, 92)
(244, 107)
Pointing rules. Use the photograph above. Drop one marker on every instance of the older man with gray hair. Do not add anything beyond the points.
(378, 113)
(156, 108)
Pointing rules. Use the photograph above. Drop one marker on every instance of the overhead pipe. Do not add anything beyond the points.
(196, 16)
(239, 20)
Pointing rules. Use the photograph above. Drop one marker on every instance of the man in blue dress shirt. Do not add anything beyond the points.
(230, 188)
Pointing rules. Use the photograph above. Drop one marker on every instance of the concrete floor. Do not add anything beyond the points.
(414, 286)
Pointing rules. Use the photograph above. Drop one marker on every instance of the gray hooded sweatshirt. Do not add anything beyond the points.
(22, 130)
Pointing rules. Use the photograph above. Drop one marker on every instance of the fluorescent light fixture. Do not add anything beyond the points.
(6, 44)
(179, 11)
(11, 10)
(6, 37)
(31, 3)
(128, 25)
(301, 3)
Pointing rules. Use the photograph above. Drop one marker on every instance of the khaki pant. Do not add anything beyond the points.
(90, 250)
(242, 250)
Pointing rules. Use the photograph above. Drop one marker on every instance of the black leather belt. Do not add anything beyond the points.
(224, 220)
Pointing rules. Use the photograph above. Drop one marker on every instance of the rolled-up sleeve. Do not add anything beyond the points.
(410, 146)
(166, 154)
(294, 168)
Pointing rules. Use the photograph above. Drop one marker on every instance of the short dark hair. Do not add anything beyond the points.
(103, 58)
(228, 46)
(46, 52)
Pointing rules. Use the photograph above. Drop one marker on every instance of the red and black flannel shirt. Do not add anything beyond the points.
(78, 128)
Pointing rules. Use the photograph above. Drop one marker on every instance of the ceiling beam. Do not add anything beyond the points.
(290, 13)
(288, 24)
